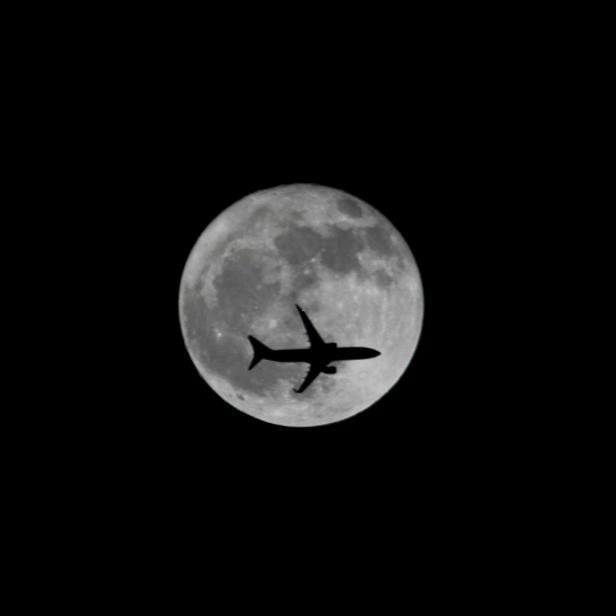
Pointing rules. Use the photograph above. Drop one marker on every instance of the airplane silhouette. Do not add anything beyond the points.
(318, 355)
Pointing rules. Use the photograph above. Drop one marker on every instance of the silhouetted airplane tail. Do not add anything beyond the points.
(260, 351)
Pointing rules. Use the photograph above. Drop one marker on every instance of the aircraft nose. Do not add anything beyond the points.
(374, 353)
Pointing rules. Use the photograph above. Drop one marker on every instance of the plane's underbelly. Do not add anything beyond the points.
(349, 353)
(291, 355)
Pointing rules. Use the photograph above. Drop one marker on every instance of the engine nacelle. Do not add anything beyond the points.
(330, 370)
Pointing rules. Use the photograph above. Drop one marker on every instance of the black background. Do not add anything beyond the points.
(429, 165)
(160, 143)
(136, 131)
(146, 144)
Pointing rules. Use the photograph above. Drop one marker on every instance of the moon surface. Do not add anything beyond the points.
(337, 257)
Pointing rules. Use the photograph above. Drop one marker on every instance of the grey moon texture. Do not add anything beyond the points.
(337, 257)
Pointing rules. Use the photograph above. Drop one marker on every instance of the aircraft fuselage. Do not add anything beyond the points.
(319, 355)
(326, 356)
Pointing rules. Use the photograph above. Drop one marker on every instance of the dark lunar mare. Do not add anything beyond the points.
(349, 206)
(337, 251)
(379, 239)
(383, 279)
(241, 289)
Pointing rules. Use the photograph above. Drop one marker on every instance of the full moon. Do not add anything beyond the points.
(333, 254)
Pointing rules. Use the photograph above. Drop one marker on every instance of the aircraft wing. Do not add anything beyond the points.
(313, 373)
(313, 335)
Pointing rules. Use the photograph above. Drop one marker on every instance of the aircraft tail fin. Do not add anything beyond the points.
(260, 351)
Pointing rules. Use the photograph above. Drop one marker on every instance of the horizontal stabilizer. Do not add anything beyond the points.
(259, 349)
